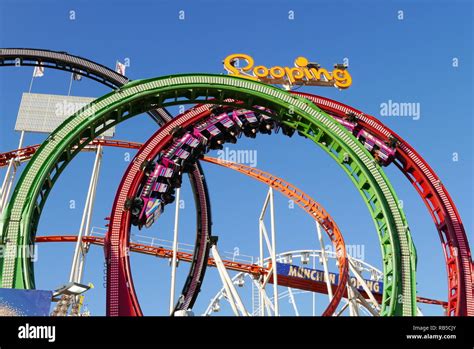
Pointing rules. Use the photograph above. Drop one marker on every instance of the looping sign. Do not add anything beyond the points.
(303, 72)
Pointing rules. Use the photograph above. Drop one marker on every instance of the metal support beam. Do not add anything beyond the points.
(80, 251)
(273, 252)
(10, 177)
(293, 301)
(352, 300)
(325, 261)
(266, 303)
(364, 285)
(271, 246)
(313, 296)
(344, 307)
(364, 303)
(232, 294)
(175, 251)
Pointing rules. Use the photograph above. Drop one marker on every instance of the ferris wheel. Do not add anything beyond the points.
(362, 297)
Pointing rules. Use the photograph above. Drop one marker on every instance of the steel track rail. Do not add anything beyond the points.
(436, 197)
(437, 200)
(134, 176)
(424, 179)
(370, 195)
(22, 214)
(254, 269)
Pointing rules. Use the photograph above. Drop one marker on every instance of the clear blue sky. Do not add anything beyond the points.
(406, 60)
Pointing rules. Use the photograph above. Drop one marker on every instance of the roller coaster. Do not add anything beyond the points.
(225, 109)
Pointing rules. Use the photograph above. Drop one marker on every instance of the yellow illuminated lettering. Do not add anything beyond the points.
(342, 77)
(302, 62)
(307, 74)
(294, 74)
(260, 71)
(277, 72)
(237, 71)
(300, 74)
(317, 74)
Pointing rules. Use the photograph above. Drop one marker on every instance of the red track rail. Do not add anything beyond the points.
(254, 269)
(120, 280)
(159, 252)
(121, 297)
(436, 198)
(25, 154)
